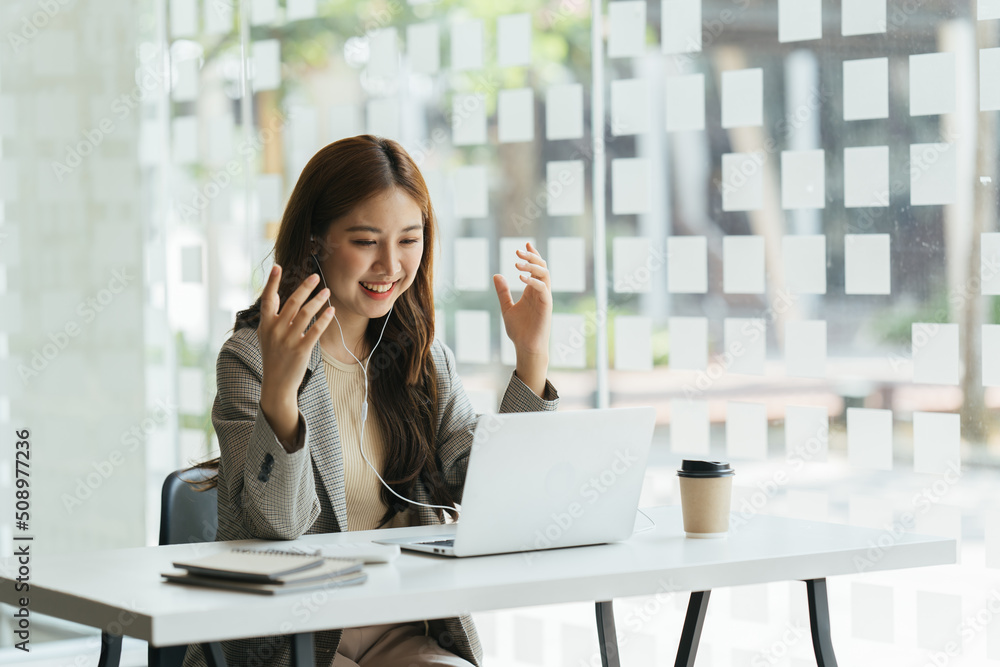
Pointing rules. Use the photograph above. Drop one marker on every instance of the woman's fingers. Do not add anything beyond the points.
(269, 296)
(322, 321)
(532, 255)
(304, 316)
(535, 270)
(290, 308)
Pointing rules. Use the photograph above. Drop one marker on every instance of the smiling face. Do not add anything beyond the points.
(374, 255)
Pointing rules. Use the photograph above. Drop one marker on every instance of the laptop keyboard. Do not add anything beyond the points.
(440, 543)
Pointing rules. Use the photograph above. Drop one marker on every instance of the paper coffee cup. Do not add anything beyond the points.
(706, 495)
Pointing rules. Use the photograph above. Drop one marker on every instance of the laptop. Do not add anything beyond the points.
(547, 480)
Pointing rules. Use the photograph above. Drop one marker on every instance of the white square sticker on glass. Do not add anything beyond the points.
(863, 17)
(937, 442)
(988, 9)
(807, 433)
(630, 186)
(470, 188)
(515, 115)
(514, 40)
(191, 390)
(266, 61)
(804, 263)
(468, 120)
(993, 551)
(191, 263)
(564, 183)
(680, 26)
(344, 121)
(298, 10)
(688, 343)
(938, 614)
(867, 264)
(685, 102)
(509, 258)
(186, 76)
(743, 264)
(219, 144)
(472, 336)
(633, 343)
(742, 181)
(627, 34)
(869, 438)
(423, 47)
(269, 196)
(866, 176)
(803, 179)
(743, 98)
(263, 11)
(382, 117)
(467, 45)
(183, 18)
(185, 139)
(629, 107)
(629, 259)
(383, 57)
(746, 430)
(990, 263)
(472, 264)
(218, 16)
(932, 84)
(687, 264)
(933, 174)
(935, 353)
(564, 111)
(866, 89)
(805, 348)
(799, 20)
(872, 608)
(568, 348)
(746, 342)
(690, 427)
(989, 74)
(567, 264)
(991, 355)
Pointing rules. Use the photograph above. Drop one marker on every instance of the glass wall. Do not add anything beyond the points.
(781, 234)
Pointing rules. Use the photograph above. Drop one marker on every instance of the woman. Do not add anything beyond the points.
(305, 432)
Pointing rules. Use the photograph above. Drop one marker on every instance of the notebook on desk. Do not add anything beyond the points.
(546, 480)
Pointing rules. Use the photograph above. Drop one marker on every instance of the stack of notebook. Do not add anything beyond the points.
(267, 573)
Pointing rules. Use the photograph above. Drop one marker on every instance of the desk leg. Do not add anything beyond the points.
(302, 650)
(687, 650)
(606, 633)
(213, 654)
(819, 622)
(111, 650)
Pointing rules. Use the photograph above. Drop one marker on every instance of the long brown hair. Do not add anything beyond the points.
(401, 372)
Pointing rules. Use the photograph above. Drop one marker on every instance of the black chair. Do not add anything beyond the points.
(186, 516)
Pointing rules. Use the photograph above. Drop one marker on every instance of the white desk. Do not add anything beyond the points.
(121, 592)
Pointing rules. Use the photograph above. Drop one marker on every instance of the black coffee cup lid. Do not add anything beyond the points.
(705, 469)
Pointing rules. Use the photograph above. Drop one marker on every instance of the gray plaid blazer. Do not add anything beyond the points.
(268, 493)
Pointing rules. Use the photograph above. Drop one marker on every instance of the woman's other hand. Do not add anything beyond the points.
(529, 321)
(285, 348)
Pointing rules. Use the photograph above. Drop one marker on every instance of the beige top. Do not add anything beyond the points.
(362, 487)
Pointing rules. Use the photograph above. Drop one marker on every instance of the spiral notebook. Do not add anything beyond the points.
(266, 572)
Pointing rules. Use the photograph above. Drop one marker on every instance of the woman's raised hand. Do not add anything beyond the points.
(286, 346)
(528, 321)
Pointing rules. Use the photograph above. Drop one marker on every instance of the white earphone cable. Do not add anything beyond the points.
(364, 403)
